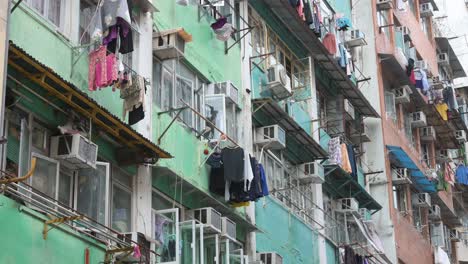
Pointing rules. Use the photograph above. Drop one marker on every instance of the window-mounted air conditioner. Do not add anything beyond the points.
(311, 172)
(443, 59)
(347, 205)
(229, 89)
(401, 176)
(209, 217)
(460, 135)
(427, 133)
(384, 4)
(270, 258)
(434, 212)
(418, 119)
(437, 234)
(145, 246)
(405, 31)
(356, 39)
(421, 64)
(421, 200)
(361, 136)
(75, 150)
(364, 214)
(228, 228)
(443, 155)
(273, 137)
(426, 10)
(279, 83)
(170, 44)
(402, 94)
(349, 110)
(455, 235)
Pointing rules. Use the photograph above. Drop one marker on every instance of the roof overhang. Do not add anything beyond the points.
(198, 198)
(73, 98)
(300, 146)
(340, 184)
(399, 157)
(290, 19)
(455, 65)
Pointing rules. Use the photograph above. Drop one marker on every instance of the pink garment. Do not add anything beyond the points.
(300, 9)
(96, 71)
(111, 69)
(329, 41)
(412, 78)
(136, 251)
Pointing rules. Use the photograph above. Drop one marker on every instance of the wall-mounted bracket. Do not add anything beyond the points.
(57, 221)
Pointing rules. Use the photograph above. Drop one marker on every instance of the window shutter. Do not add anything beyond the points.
(390, 108)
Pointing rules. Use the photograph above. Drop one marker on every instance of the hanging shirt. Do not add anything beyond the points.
(329, 41)
(263, 179)
(300, 9)
(352, 160)
(334, 151)
(345, 164)
(233, 160)
(343, 23)
(248, 173)
(97, 68)
(442, 109)
(108, 13)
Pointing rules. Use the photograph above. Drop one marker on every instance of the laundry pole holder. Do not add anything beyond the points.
(57, 221)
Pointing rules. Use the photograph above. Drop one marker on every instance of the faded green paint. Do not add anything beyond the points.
(341, 7)
(285, 234)
(22, 240)
(332, 252)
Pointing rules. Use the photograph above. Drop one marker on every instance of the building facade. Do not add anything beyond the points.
(200, 131)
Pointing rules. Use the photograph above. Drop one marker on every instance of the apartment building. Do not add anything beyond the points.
(137, 160)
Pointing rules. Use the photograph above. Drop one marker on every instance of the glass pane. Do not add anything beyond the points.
(231, 121)
(165, 231)
(65, 184)
(121, 176)
(236, 253)
(167, 100)
(121, 209)
(160, 203)
(44, 178)
(210, 248)
(186, 240)
(38, 5)
(54, 11)
(87, 9)
(91, 196)
(184, 92)
(24, 150)
(157, 88)
(215, 112)
(39, 137)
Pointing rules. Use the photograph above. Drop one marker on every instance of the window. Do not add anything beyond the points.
(383, 22)
(45, 178)
(175, 84)
(390, 108)
(87, 10)
(425, 154)
(52, 10)
(399, 198)
(121, 200)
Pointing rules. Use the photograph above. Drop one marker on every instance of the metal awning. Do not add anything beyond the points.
(444, 129)
(457, 68)
(72, 97)
(193, 197)
(340, 184)
(300, 146)
(310, 42)
(399, 157)
(390, 63)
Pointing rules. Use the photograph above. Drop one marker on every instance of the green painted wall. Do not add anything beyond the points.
(25, 226)
(332, 252)
(284, 233)
(341, 6)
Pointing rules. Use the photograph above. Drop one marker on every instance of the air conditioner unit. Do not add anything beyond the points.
(349, 110)
(434, 212)
(229, 89)
(426, 10)
(427, 133)
(418, 119)
(273, 137)
(460, 135)
(209, 217)
(401, 176)
(347, 205)
(311, 172)
(402, 94)
(170, 44)
(443, 155)
(279, 83)
(75, 150)
(145, 246)
(364, 214)
(356, 39)
(362, 136)
(270, 258)
(228, 228)
(455, 235)
(421, 64)
(421, 200)
(384, 4)
(443, 59)
(406, 32)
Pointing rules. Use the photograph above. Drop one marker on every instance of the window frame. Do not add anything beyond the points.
(45, 13)
(123, 187)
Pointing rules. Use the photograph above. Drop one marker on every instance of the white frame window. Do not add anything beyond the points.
(45, 8)
(36, 183)
(123, 188)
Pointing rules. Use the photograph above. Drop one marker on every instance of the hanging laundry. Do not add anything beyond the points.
(345, 164)
(352, 160)
(248, 173)
(97, 70)
(329, 41)
(233, 160)
(308, 14)
(120, 31)
(294, 3)
(342, 60)
(136, 115)
(412, 78)
(409, 67)
(449, 175)
(108, 13)
(450, 98)
(240, 204)
(461, 174)
(220, 22)
(334, 151)
(133, 95)
(111, 69)
(256, 184)
(343, 23)
(300, 9)
(265, 191)
(225, 32)
(217, 181)
(442, 109)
